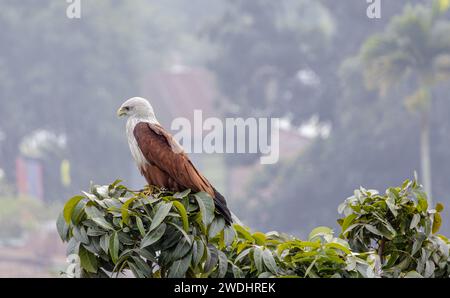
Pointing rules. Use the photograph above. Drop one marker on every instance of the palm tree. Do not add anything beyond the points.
(415, 47)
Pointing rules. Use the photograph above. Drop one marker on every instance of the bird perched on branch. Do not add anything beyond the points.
(160, 158)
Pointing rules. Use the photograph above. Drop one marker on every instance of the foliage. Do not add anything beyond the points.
(155, 233)
(400, 227)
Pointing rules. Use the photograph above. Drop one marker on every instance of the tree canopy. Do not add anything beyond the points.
(156, 234)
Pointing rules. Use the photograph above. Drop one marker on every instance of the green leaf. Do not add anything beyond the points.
(62, 228)
(242, 232)
(348, 221)
(114, 247)
(180, 267)
(114, 184)
(135, 269)
(198, 250)
(125, 212)
(212, 258)
(180, 195)
(338, 246)
(437, 222)
(260, 238)
(242, 255)
(417, 245)
(422, 203)
(78, 212)
(308, 271)
(206, 204)
(171, 237)
(186, 236)
(79, 233)
(258, 258)
(349, 229)
(269, 261)
(148, 255)
(413, 274)
(237, 272)
(392, 259)
(183, 214)
(73, 247)
(70, 206)
(102, 191)
(216, 227)
(266, 275)
(429, 269)
(92, 211)
(223, 265)
(229, 235)
(153, 236)
(160, 215)
(298, 243)
(320, 231)
(104, 243)
(373, 230)
(103, 223)
(88, 261)
(140, 226)
(95, 232)
(142, 265)
(415, 221)
(390, 201)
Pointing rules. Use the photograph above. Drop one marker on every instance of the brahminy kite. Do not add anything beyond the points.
(160, 158)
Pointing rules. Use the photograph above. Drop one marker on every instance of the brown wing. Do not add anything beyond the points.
(161, 151)
(171, 167)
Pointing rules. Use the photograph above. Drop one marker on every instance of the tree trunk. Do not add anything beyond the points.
(425, 156)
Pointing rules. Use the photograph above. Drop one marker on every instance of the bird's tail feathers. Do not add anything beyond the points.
(222, 208)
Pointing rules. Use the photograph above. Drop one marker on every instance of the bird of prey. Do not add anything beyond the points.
(160, 158)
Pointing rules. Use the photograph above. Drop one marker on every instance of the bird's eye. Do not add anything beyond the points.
(126, 108)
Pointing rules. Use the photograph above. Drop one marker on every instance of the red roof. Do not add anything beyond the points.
(179, 93)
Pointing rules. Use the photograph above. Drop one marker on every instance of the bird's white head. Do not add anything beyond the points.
(137, 107)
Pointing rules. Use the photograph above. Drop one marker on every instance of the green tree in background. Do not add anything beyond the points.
(262, 49)
(414, 48)
(373, 141)
(64, 76)
(68, 76)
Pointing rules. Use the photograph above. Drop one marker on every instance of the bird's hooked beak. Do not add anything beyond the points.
(121, 112)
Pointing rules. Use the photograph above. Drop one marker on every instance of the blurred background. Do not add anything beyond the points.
(363, 102)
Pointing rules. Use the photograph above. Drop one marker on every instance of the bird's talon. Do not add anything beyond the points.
(148, 190)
